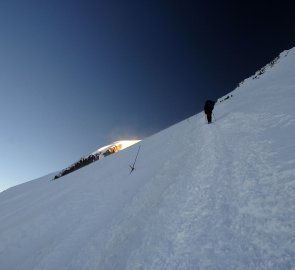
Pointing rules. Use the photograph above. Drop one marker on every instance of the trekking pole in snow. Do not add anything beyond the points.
(132, 166)
(214, 116)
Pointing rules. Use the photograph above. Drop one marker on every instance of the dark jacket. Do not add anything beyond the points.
(209, 106)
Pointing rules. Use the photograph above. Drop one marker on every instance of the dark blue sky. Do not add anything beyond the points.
(76, 75)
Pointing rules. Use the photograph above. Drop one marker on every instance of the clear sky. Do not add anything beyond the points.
(77, 75)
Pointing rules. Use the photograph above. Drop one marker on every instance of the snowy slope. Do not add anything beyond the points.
(217, 196)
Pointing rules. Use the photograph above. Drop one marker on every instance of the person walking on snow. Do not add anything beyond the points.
(208, 108)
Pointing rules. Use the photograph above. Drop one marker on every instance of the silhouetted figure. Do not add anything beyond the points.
(208, 108)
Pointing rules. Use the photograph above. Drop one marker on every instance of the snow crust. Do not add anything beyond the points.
(217, 196)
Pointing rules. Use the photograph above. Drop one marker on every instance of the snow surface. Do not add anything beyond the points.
(217, 196)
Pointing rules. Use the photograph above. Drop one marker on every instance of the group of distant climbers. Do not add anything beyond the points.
(87, 160)
(79, 164)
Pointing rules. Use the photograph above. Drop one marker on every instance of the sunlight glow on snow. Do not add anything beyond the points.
(118, 145)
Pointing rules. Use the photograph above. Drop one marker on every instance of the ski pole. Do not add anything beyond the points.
(214, 117)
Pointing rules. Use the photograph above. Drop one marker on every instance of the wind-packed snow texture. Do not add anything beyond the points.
(217, 196)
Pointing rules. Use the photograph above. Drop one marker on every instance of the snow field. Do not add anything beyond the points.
(218, 196)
